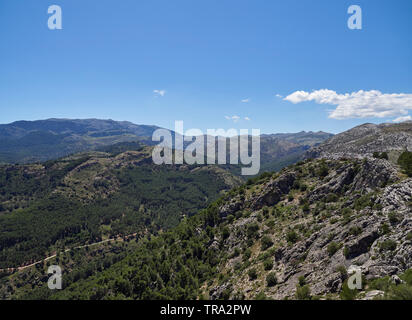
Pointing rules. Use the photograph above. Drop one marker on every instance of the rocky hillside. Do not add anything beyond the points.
(296, 234)
(366, 139)
(312, 224)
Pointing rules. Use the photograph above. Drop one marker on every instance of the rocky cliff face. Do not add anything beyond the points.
(313, 223)
(366, 139)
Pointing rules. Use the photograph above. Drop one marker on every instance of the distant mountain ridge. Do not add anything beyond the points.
(42, 140)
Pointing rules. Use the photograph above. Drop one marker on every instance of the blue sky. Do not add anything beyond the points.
(204, 57)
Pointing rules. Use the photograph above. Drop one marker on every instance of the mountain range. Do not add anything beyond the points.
(123, 228)
(42, 140)
(33, 141)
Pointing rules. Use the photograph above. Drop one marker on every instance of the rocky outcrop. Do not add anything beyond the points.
(273, 191)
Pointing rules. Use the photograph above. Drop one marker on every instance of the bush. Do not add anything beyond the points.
(346, 252)
(348, 294)
(362, 202)
(271, 279)
(292, 236)
(247, 254)
(388, 245)
(302, 293)
(400, 292)
(306, 208)
(331, 197)
(385, 229)
(266, 243)
(393, 217)
(252, 273)
(333, 247)
(265, 211)
(346, 212)
(225, 233)
(268, 264)
(355, 231)
(323, 170)
(252, 230)
(383, 155)
(405, 161)
(261, 296)
(343, 272)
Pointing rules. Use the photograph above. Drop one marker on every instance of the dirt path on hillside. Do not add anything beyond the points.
(67, 250)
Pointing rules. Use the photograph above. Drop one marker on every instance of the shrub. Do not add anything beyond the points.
(236, 253)
(302, 293)
(252, 230)
(405, 161)
(252, 274)
(362, 202)
(268, 264)
(346, 252)
(385, 229)
(323, 170)
(343, 272)
(271, 279)
(302, 281)
(292, 236)
(333, 247)
(348, 294)
(407, 277)
(225, 233)
(383, 155)
(266, 243)
(355, 230)
(388, 245)
(400, 292)
(393, 217)
(331, 197)
(296, 185)
(346, 211)
(247, 254)
(265, 211)
(261, 296)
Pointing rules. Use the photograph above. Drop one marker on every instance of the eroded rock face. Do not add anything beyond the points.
(367, 175)
(273, 191)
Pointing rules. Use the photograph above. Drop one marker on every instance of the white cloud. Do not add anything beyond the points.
(159, 92)
(402, 119)
(234, 118)
(247, 118)
(245, 100)
(361, 104)
(279, 96)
